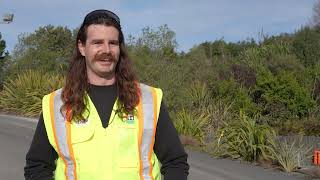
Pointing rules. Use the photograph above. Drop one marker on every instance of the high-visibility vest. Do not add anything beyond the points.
(122, 151)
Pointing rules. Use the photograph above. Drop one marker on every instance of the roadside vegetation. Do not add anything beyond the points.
(232, 99)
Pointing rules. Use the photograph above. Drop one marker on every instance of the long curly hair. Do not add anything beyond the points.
(74, 94)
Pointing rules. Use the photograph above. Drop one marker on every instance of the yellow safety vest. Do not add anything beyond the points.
(87, 151)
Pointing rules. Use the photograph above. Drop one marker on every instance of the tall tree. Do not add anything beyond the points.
(2, 46)
(48, 49)
(161, 43)
(316, 14)
(2, 58)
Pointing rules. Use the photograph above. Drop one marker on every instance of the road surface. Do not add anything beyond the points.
(16, 135)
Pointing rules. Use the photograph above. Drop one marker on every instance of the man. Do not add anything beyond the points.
(104, 124)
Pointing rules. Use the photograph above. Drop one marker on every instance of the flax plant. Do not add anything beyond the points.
(23, 94)
(291, 155)
(191, 123)
(246, 139)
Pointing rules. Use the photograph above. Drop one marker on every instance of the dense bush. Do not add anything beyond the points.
(282, 96)
(244, 138)
(191, 123)
(229, 91)
(23, 95)
(306, 45)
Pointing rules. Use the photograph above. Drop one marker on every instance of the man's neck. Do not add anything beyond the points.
(99, 81)
(102, 82)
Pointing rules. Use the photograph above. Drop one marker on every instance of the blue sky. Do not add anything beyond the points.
(193, 21)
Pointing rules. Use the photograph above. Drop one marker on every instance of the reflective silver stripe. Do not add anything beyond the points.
(61, 134)
(148, 129)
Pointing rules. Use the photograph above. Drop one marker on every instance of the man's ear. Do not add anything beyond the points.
(81, 48)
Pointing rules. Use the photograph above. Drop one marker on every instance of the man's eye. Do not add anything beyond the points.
(114, 42)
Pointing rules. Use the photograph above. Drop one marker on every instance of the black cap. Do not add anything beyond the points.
(101, 13)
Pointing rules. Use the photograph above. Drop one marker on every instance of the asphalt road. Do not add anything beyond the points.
(16, 135)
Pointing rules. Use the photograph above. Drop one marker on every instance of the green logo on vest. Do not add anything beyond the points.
(130, 119)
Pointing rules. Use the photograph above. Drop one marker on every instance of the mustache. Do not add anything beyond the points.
(102, 56)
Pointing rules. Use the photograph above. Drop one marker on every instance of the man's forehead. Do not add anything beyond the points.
(101, 26)
(102, 31)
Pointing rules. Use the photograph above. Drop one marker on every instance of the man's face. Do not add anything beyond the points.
(101, 51)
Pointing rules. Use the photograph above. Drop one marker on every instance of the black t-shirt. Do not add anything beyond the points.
(40, 159)
(103, 98)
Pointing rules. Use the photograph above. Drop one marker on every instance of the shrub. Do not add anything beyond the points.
(23, 95)
(230, 92)
(284, 92)
(247, 140)
(220, 113)
(290, 155)
(306, 46)
(191, 123)
(311, 124)
(256, 56)
(244, 75)
(217, 148)
(199, 95)
(279, 63)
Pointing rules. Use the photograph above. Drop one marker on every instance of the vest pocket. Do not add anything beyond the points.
(127, 148)
(81, 134)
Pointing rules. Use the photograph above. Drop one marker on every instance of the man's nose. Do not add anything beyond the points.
(106, 48)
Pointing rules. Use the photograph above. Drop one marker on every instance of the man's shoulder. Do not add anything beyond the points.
(143, 85)
(147, 88)
(57, 91)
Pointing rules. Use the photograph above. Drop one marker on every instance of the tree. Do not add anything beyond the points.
(160, 43)
(48, 48)
(306, 46)
(316, 14)
(3, 56)
(2, 46)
